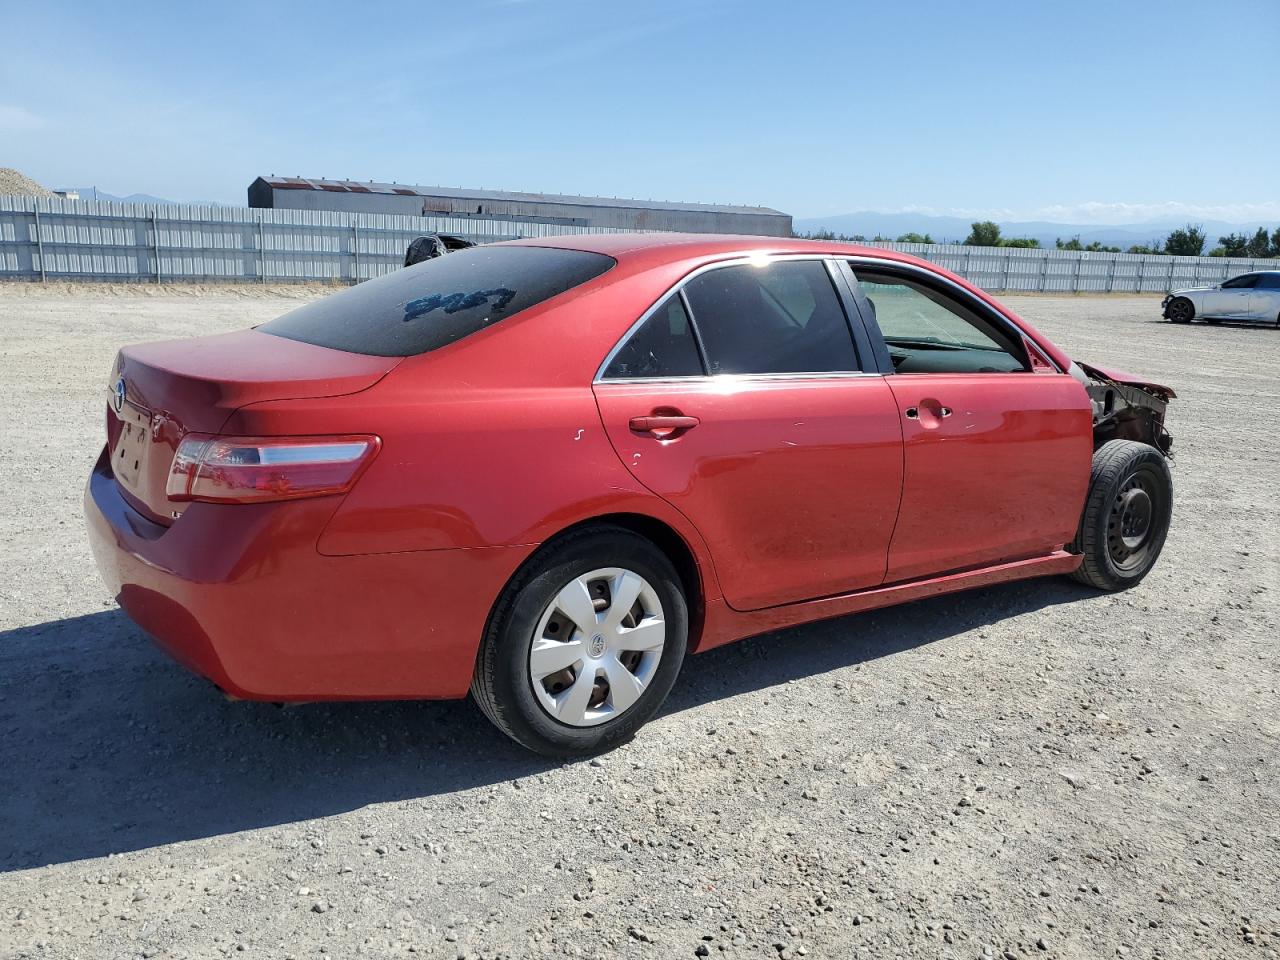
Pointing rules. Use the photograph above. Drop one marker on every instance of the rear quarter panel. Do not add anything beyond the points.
(492, 441)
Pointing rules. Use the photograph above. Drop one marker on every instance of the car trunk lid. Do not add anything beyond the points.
(160, 391)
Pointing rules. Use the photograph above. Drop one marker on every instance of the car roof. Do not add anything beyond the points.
(657, 248)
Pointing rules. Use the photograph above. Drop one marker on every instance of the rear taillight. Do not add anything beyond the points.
(258, 469)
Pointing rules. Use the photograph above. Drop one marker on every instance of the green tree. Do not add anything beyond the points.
(1153, 247)
(915, 238)
(1217, 252)
(1260, 244)
(1186, 241)
(983, 234)
(1020, 242)
(1275, 243)
(828, 235)
(1235, 244)
(1094, 246)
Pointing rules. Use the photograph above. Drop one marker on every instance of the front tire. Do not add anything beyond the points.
(584, 644)
(1180, 310)
(1126, 515)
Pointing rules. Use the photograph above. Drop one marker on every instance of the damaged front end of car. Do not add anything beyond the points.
(1127, 407)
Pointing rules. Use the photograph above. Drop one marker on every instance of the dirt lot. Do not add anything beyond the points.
(1030, 770)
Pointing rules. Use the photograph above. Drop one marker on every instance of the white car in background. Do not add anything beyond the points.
(1250, 296)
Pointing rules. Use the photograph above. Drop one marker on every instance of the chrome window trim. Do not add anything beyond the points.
(963, 294)
(715, 378)
(678, 287)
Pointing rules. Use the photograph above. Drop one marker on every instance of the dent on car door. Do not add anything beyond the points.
(996, 453)
(1264, 298)
(740, 400)
(1231, 299)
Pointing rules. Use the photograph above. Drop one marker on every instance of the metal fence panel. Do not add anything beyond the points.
(60, 239)
(1036, 270)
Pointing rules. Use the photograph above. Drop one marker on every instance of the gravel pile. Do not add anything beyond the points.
(16, 184)
(1032, 770)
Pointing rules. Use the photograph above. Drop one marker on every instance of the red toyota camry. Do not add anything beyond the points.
(543, 471)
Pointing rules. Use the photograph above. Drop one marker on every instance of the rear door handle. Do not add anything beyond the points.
(663, 426)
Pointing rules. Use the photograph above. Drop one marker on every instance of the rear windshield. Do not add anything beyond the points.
(432, 304)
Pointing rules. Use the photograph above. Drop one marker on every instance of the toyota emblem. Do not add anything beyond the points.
(118, 402)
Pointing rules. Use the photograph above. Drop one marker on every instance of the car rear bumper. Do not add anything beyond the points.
(240, 595)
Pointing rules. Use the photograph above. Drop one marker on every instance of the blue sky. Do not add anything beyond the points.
(1103, 112)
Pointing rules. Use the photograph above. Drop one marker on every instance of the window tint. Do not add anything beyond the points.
(662, 347)
(783, 317)
(1269, 281)
(1242, 282)
(431, 304)
(929, 332)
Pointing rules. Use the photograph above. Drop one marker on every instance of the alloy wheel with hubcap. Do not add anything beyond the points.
(584, 643)
(597, 646)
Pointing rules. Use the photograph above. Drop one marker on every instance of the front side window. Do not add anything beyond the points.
(927, 331)
(663, 347)
(1269, 281)
(432, 304)
(780, 317)
(1241, 283)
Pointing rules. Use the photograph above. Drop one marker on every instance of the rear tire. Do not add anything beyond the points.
(596, 649)
(1180, 310)
(1126, 515)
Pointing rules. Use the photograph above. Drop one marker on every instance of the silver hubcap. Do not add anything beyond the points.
(597, 647)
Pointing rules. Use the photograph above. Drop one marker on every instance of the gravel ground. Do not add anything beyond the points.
(1022, 771)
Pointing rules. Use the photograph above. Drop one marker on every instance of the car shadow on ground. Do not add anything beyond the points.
(107, 747)
(1232, 324)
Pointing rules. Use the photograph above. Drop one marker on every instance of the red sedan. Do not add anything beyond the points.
(543, 471)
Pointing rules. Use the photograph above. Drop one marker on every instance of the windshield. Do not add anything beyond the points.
(435, 303)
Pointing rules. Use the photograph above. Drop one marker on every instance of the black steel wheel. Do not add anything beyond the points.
(1180, 310)
(1126, 515)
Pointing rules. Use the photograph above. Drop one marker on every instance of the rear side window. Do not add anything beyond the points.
(663, 347)
(1241, 283)
(782, 317)
(1269, 281)
(432, 304)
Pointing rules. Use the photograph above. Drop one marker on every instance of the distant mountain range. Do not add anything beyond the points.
(90, 193)
(955, 229)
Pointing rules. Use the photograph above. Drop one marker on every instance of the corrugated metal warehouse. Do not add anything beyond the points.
(350, 196)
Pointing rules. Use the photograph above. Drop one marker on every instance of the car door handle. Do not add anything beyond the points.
(663, 426)
(913, 413)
